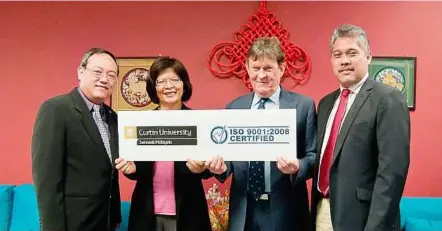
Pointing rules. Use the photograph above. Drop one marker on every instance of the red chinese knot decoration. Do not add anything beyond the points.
(228, 59)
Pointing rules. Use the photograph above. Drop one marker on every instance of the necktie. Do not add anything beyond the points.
(256, 169)
(102, 129)
(324, 176)
(262, 103)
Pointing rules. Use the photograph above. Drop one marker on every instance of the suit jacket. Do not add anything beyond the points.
(370, 160)
(191, 206)
(76, 184)
(289, 196)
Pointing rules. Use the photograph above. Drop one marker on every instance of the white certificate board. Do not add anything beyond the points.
(235, 134)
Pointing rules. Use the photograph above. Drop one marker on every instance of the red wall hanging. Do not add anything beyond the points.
(227, 59)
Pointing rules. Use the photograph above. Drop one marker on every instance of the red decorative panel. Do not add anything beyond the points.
(227, 59)
(217, 196)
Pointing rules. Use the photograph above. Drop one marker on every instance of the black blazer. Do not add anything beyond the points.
(76, 184)
(370, 161)
(191, 205)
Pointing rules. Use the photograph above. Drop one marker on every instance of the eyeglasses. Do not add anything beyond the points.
(97, 73)
(163, 82)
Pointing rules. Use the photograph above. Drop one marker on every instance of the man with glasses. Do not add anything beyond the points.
(74, 145)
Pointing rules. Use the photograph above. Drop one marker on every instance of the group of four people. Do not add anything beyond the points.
(356, 148)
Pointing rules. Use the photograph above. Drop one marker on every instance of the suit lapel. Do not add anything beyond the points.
(180, 170)
(246, 102)
(242, 167)
(88, 122)
(360, 99)
(111, 118)
(86, 118)
(322, 119)
(286, 101)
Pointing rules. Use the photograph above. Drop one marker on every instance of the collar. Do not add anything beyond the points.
(183, 107)
(273, 98)
(89, 104)
(356, 87)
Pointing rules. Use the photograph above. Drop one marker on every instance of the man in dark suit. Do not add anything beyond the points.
(279, 202)
(364, 142)
(74, 143)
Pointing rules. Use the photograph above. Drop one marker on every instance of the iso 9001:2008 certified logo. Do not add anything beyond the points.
(219, 135)
(251, 134)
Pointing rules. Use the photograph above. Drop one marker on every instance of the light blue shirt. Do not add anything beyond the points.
(89, 105)
(272, 103)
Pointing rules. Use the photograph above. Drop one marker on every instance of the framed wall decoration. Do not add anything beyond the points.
(398, 72)
(130, 89)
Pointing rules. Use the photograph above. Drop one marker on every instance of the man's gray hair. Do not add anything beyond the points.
(348, 30)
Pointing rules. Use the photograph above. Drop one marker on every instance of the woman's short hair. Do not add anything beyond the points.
(161, 64)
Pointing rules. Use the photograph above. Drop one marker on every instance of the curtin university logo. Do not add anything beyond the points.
(219, 134)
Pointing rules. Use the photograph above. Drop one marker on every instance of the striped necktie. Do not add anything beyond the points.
(102, 129)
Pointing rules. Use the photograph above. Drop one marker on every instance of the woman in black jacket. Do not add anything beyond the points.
(168, 196)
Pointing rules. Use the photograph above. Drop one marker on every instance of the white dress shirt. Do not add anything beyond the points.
(354, 90)
(272, 103)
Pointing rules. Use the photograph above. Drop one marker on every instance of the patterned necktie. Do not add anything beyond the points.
(324, 176)
(256, 169)
(102, 129)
